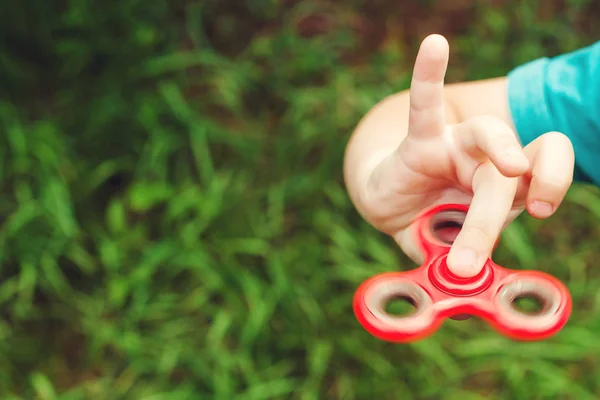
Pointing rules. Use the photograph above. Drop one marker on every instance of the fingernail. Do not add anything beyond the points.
(464, 263)
(541, 208)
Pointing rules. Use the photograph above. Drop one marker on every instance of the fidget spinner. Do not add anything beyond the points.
(438, 294)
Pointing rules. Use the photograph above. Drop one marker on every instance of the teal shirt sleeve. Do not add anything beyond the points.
(561, 94)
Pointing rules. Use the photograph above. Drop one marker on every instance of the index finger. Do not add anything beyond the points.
(427, 115)
(492, 201)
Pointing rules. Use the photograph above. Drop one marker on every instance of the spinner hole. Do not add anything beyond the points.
(401, 306)
(530, 304)
(446, 226)
(528, 297)
(395, 301)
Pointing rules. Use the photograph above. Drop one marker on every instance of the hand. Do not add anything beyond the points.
(478, 162)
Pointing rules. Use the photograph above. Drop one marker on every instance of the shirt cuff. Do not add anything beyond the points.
(527, 100)
(528, 105)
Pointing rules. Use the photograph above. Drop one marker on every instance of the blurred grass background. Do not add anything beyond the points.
(174, 223)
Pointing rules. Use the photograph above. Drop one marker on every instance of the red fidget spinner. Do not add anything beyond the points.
(438, 294)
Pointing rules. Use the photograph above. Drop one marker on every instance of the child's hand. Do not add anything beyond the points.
(478, 162)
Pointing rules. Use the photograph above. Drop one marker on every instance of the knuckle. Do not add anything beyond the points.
(490, 122)
(504, 141)
(494, 133)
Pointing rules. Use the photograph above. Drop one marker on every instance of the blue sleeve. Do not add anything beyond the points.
(561, 94)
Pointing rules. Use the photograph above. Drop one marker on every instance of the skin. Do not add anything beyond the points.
(456, 143)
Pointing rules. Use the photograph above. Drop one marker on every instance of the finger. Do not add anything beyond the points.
(553, 161)
(492, 200)
(427, 116)
(489, 137)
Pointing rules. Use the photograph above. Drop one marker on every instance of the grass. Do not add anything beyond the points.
(174, 220)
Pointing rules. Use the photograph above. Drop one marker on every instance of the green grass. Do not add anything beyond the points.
(174, 223)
